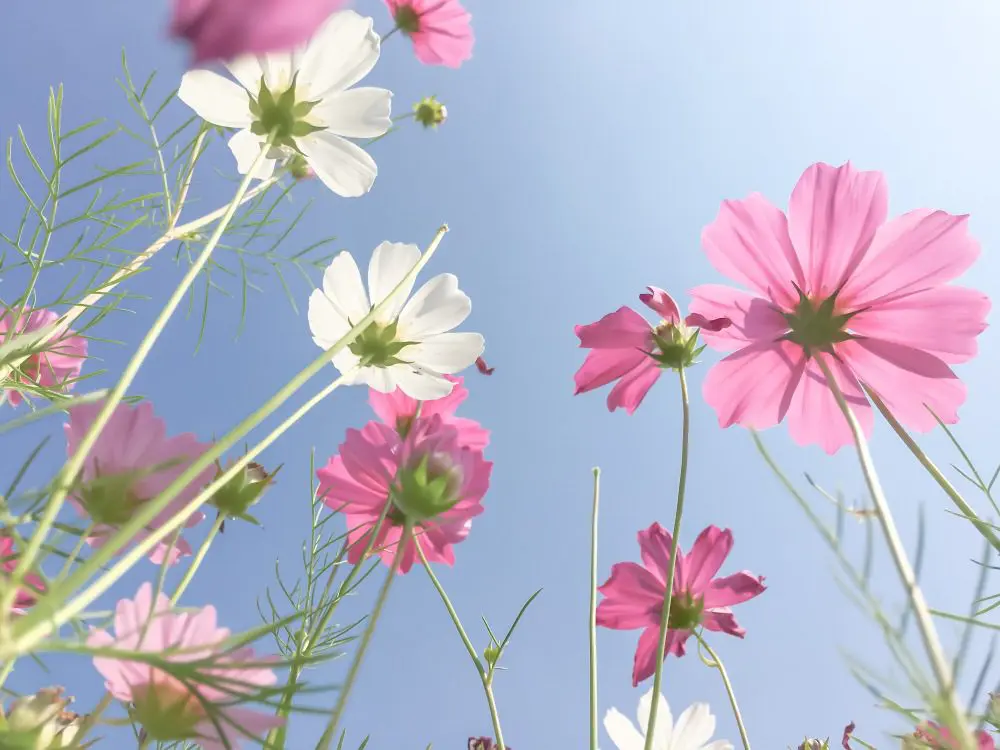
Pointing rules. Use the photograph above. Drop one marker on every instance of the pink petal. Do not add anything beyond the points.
(603, 366)
(697, 320)
(815, 418)
(654, 548)
(734, 589)
(705, 558)
(629, 392)
(633, 598)
(389, 407)
(722, 621)
(752, 319)
(645, 653)
(907, 379)
(833, 215)
(915, 251)
(661, 303)
(622, 329)
(749, 243)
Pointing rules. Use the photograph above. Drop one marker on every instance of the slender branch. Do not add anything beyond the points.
(198, 559)
(717, 664)
(593, 610)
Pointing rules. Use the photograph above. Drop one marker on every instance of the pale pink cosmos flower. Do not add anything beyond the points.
(633, 595)
(626, 348)
(441, 30)
(835, 280)
(131, 463)
(370, 466)
(226, 29)
(931, 735)
(398, 410)
(167, 708)
(33, 585)
(55, 367)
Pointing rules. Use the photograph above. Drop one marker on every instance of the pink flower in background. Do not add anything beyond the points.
(375, 461)
(634, 594)
(441, 30)
(8, 563)
(58, 365)
(131, 463)
(226, 29)
(167, 708)
(932, 735)
(626, 348)
(835, 280)
(398, 410)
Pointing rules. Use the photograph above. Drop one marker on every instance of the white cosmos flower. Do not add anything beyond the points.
(306, 97)
(692, 731)
(410, 344)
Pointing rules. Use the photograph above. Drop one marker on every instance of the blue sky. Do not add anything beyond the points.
(586, 149)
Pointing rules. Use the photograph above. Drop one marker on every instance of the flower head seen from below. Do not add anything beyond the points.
(441, 30)
(693, 730)
(625, 347)
(40, 722)
(932, 736)
(303, 100)
(33, 585)
(226, 29)
(401, 412)
(429, 112)
(634, 594)
(835, 281)
(410, 345)
(55, 366)
(430, 479)
(209, 705)
(131, 463)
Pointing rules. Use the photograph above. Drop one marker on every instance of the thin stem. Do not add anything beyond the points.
(593, 610)
(675, 540)
(717, 664)
(932, 643)
(954, 495)
(198, 558)
(389, 33)
(494, 714)
(366, 636)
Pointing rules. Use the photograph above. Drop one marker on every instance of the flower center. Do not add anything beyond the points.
(377, 346)
(685, 612)
(167, 711)
(280, 115)
(815, 324)
(430, 486)
(110, 500)
(407, 19)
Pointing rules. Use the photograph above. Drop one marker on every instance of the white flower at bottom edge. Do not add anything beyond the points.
(305, 97)
(409, 345)
(694, 728)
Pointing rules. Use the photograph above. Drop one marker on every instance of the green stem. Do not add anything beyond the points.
(389, 33)
(593, 610)
(198, 558)
(366, 636)
(932, 644)
(669, 593)
(717, 664)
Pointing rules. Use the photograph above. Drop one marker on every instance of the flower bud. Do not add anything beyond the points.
(299, 168)
(242, 491)
(428, 486)
(491, 653)
(812, 744)
(429, 112)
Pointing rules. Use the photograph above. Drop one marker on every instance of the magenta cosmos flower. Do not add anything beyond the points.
(836, 280)
(626, 348)
(226, 29)
(441, 30)
(27, 594)
(932, 735)
(633, 595)
(430, 476)
(131, 463)
(167, 708)
(398, 410)
(56, 367)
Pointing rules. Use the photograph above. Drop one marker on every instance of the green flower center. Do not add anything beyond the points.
(281, 115)
(428, 488)
(815, 324)
(167, 712)
(676, 346)
(407, 19)
(111, 500)
(377, 346)
(685, 612)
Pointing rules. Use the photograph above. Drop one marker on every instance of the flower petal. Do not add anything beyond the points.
(622, 329)
(446, 353)
(735, 589)
(247, 70)
(721, 620)
(246, 148)
(342, 52)
(326, 323)
(654, 548)
(661, 303)
(344, 289)
(357, 113)
(390, 263)
(605, 365)
(420, 383)
(629, 392)
(815, 418)
(753, 319)
(695, 727)
(344, 167)
(705, 557)
(215, 99)
(663, 731)
(438, 306)
(633, 598)
(622, 732)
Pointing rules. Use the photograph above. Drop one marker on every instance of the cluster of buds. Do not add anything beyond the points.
(40, 722)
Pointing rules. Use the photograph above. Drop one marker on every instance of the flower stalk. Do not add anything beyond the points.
(592, 623)
(715, 662)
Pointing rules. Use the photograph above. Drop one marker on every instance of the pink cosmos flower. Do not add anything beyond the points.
(626, 348)
(441, 30)
(398, 410)
(168, 708)
(932, 735)
(633, 595)
(131, 463)
(58, 365)
(8, 563)
(835, 280)
(375, 462)
(226, 29)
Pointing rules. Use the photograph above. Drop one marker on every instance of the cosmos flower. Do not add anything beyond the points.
(693, 730)
(56, 366)
(399, 411)
(26, 595)
(441, 30)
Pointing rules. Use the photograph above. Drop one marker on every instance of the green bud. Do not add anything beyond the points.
(429, 112)
(242, 491)
(428, 488)
(39, 722)
(491, 654)
(299, 168)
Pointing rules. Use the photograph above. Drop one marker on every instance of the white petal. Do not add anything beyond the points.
(215, 99)
(664, 720)
(390, 263)
(246, 69)
(358, 113)
(342, 52)
(342, 166)
(438, 306)
(326, 323)
(246, 148)
(419, 383)
(344, 289)
(694, 727)
(346, 362)
(379, 379)
(719, 745)
(622, 733)
(446, 353)
(278, 68)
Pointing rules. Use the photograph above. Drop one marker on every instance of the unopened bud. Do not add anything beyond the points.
(242, 491)
(429, 112)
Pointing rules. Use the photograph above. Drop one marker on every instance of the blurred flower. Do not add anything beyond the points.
(55, 367)
(131, 463)
(228, 28)
(441, 30)
(410, 345)
(626, 348)
(399, 411)
(40, 722)
(305, 98)
(26, 595)
(168, 708)
(429, 112)
(848, 734)
(484, 743)
(483, 368)
(242, 491)
(813, 744)
(300, 169)
(633, 595)
(932, 735)
(993, 710)
(835, 280)
(694, 728)
(431, 477)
